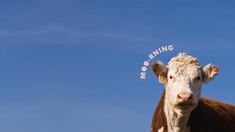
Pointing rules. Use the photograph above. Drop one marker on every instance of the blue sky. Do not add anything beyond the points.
(73, 66)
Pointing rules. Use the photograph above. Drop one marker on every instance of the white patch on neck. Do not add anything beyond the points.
(176, 119)
(161, 129)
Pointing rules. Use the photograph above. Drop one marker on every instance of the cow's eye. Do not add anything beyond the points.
(198, 78)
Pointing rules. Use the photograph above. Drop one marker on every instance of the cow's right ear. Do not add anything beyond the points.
(209, 72)
(160, 70)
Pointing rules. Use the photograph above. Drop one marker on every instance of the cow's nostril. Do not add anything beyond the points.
(179, 96)
(190, 96)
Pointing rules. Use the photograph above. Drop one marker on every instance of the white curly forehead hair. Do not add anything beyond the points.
(184, 65)
(182, 59)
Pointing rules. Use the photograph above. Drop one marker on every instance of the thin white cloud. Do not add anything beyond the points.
(72, 33)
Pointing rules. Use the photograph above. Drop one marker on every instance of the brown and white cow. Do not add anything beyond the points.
(181, 109)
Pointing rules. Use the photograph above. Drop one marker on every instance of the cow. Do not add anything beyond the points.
(181, 107)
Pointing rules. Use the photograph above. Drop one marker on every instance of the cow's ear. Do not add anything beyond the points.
(209, 72)
(160, 70)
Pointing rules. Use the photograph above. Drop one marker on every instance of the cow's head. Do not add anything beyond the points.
(183, 78)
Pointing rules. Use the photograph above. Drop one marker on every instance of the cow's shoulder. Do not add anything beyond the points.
(212, 115)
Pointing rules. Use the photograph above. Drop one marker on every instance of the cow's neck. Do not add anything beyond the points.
(176, 119)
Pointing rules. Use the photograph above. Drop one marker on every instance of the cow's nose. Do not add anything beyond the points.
(184, 97)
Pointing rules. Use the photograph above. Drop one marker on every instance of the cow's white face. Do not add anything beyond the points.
(183, 78)
(183, 87)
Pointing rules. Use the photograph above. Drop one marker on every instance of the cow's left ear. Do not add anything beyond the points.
(160, 70)
(209, 72)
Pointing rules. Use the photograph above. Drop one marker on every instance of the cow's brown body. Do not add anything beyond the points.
(208, 116)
